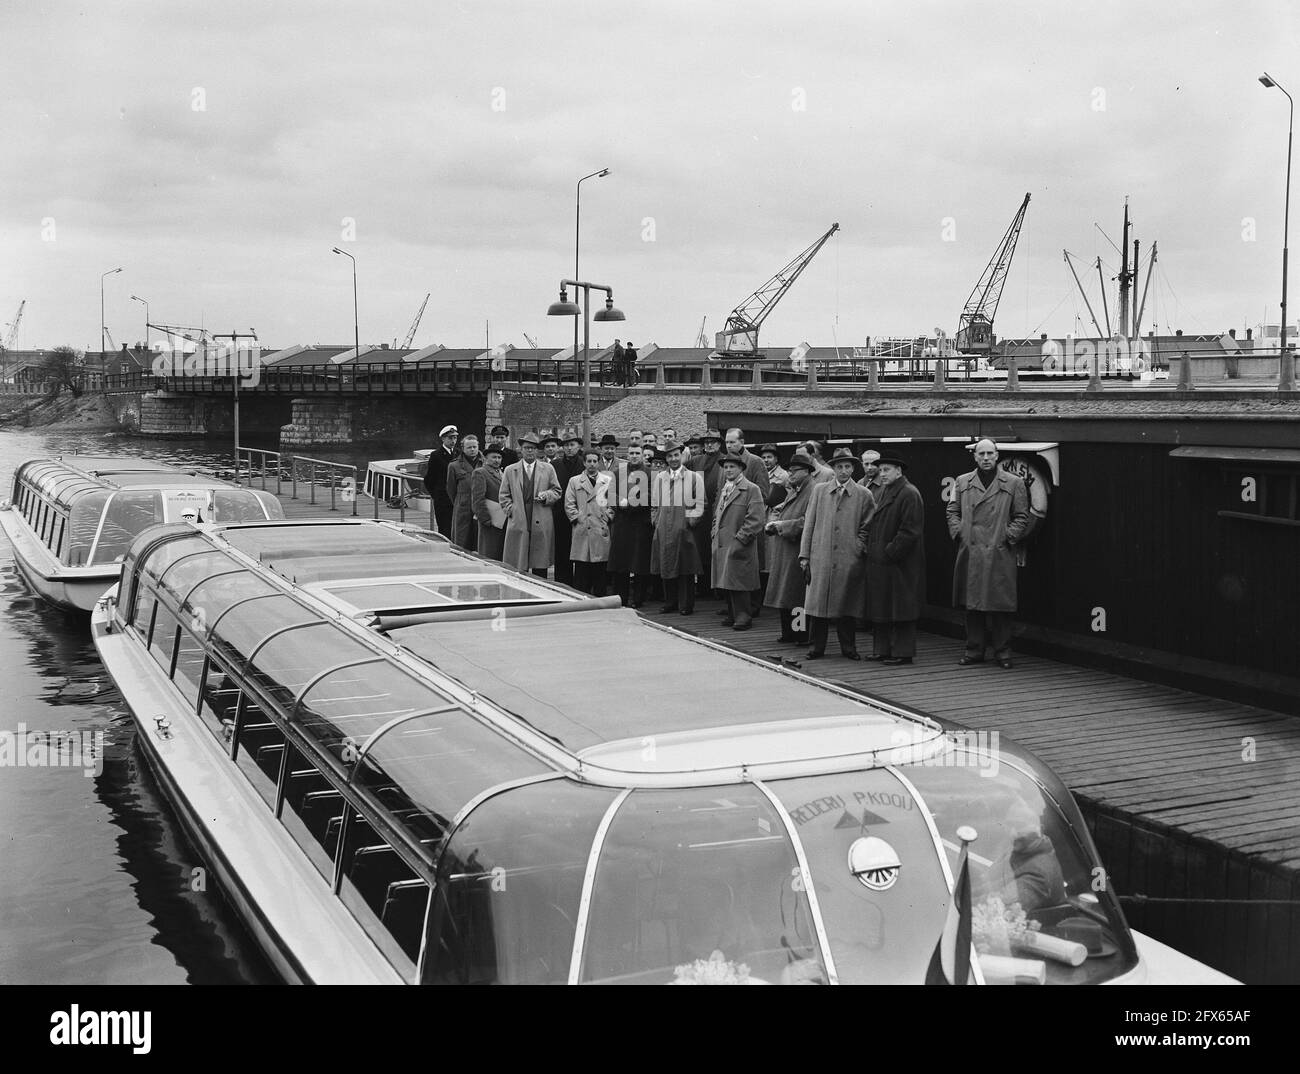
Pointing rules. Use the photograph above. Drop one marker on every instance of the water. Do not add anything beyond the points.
(96, 877)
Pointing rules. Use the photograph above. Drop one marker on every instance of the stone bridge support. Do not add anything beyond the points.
(168, 415)
(404, 423)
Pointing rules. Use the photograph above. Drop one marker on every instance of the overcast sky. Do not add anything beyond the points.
(217, 151)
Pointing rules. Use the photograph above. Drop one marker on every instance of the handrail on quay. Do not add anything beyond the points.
(266, 457)
(332, 470)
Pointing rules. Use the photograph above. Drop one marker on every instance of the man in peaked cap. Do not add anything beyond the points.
(435, 477)
(498, 436)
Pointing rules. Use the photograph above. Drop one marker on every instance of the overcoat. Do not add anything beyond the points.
(737, 521)
(586, 505)
(986, 524)
(484, 485)
(566, 469)
(529, 540)
(463, 528)
(785, 584)
(630, 533)
(896, 555)
(778, 481)
(834, 540)
(676, 505)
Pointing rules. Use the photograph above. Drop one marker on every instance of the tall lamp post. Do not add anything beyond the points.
(565, 308)
(356, 330)
(1286, 364)
(577, 236)
(137, 298)
(102, 278)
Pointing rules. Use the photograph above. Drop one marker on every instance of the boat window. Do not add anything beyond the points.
(509, 885)
(56, 540)
(289, 661)
(84, 523)
(189, 667)
(162, 641)
(259, 748)
(238, 505)
(882, 924)
(1029, 873)
(184, 574)
(430, 767)
(246, 625)
(384, 893)
(349, 704)
(164, 554)
(309, 802)
(220, 697)
(215, 595)
(126, 515)
(699, 885)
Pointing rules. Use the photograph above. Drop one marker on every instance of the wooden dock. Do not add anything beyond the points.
(1189, 797)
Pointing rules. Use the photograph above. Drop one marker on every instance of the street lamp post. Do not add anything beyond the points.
(1286, 364)
(565, 308)
(102, 278)
(577, 235)
(356, 330)
(137, 298)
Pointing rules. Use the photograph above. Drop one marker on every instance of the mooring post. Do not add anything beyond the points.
(1013, 375)
(1185, 373)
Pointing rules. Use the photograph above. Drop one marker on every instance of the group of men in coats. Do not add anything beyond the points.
(825, 543)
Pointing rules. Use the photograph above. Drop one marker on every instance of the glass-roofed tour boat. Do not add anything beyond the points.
(409, 764)
(71, 518)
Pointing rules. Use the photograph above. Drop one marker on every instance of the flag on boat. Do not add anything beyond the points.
(950, 963)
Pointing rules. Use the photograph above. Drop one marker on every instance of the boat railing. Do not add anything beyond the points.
(340, 476)
(266, 459)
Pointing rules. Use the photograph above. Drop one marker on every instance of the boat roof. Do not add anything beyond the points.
(69, 475)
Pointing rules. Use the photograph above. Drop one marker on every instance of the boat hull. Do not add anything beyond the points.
(75, 589)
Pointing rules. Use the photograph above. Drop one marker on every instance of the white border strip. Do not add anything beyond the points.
(588, 882)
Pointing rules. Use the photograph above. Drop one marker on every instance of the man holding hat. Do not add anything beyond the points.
(896, 565)
(786, 588)
(499, 435)
(831, 554)
(529, 488)
(677, 502)
(484, 489)
(988, 515)
(435, 478)
(737, 522)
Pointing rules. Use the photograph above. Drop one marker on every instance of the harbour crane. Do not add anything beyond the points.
(531, 342)
(701, 340)
(975, 326)
(415, 324)
(7, 344)
(740, 336)
(182, 332)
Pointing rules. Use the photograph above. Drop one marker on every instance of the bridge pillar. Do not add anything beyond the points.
(164, 415)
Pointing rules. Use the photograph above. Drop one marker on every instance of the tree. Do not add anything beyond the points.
(63, 368)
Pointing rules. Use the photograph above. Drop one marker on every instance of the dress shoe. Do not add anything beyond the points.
(746, 625)
(721, 611)
(1004, 662)
(877, 657)
(728, 621)
(851, 656)
(668, 610)
(967, 661)
(787, 639)
(813, 655)
(895, 661)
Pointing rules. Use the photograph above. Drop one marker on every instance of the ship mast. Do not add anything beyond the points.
(1125, 277)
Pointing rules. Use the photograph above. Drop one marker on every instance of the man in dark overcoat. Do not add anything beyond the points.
(737, 524)
(987, 516)
(485, 488)
(464, 529)
(831, 551)
(631, 532)
(896, 565)
(785, 582)
(562, 527)
(435, 478)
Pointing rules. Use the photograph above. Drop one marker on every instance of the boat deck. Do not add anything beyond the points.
(1190, 798)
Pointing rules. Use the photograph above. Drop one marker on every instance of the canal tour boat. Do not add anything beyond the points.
(72, 517)
(409, 764)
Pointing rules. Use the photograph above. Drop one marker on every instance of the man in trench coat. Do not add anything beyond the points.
(896, 566)
(464, 527)
(586, 503)
(737, 523)
(786, 588)
(677, 502)
(988, 515)
(831, 551)
(528, 489)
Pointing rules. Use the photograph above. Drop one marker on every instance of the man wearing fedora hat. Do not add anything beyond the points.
(608, 453)
(831, 555)
(567, 466)
(485, 488)
(895, 565)
(528, 489)
(737, 522)
(677, 501)
(435, 477)
(786, 587)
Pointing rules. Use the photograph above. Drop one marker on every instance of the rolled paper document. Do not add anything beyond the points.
(1001, 970)
(1053, 947)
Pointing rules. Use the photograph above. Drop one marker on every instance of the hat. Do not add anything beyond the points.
(1090, 933)
(765, 448)
(499, 430)
(695, 438)
(572, 437)
(669, 446)
(733, 460)
(893, 460)
(448, 429)
(608, 440)
(846, 455)
(495, 449)
(529, 438)
(710, 434)
(801, 460)
(551, 439)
